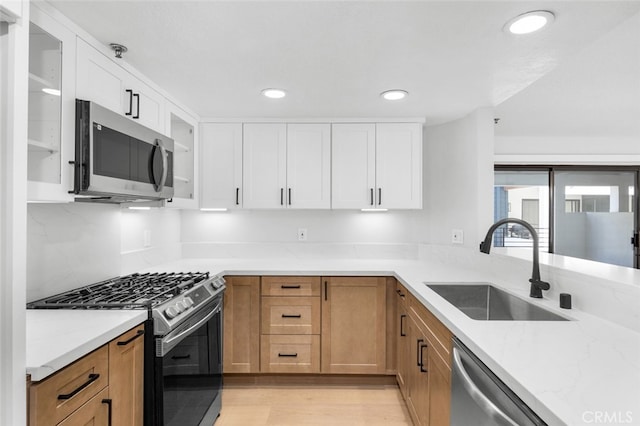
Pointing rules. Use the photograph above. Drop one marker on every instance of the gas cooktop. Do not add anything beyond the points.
(135, 291)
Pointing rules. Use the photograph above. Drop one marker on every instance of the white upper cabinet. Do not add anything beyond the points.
(399, 165)
(52, 50)
(377, 166)
(309, 166)
(264, 173)
(286, 166)
(221, 166)
(183, 129)
(103, 81)
(353, 165)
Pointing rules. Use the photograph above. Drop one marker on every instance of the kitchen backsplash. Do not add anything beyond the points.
(70, 245)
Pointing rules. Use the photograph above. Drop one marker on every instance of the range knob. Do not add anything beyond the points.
(188, 302)
(171, 312)
(180, 306)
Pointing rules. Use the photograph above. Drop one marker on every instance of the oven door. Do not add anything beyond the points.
(189, 370)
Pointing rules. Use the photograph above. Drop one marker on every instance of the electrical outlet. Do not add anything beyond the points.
(147, 238)
(457, 236)
(302, 234)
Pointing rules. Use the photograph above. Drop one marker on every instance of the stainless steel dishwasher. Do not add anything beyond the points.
(480, 398)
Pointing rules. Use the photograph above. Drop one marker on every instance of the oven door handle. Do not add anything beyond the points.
(169, 341)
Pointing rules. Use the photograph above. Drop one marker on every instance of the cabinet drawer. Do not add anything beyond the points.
(56, 397)
(290, 354)
(291, 286)
(437, 333)
(94, 412)
(290, 315)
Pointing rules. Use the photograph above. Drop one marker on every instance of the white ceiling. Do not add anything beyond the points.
(335, 57)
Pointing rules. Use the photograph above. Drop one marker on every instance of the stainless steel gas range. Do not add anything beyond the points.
(183, 339)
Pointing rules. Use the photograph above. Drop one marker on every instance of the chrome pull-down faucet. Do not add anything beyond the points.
(537, 285)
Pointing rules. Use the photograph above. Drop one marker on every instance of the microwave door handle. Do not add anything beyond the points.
(165, 165)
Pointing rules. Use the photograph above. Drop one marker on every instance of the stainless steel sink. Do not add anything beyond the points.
(482, 301)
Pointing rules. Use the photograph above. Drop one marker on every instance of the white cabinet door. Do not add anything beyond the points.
(143, 104)
(264, 174)
(183, 129)
(101, 80)
(308, 166)
(399, 165)
(51, 120)
(221, 165)
(353, 166)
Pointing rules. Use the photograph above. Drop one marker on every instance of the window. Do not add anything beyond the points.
(584, 212)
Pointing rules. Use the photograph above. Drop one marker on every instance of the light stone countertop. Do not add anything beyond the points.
(57, 337)
(569, 372)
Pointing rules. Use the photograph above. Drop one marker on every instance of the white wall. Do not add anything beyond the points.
(459, 178)
(14, 43)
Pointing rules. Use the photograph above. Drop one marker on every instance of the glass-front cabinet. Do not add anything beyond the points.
(182, 128)
(51, 109)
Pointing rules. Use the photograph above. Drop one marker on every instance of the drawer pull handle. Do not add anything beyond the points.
(291, 316)
(181, 357)
(290, 286)
(92, 378)
(401, 294)
(109, 403)
(294, 355)
(422, 366)
(126, 342)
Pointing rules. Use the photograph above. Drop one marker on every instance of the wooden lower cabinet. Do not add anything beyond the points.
(354, 325)
(290, 353)
(103, 387)
(126, 378)
(424, 364)
(241, 347)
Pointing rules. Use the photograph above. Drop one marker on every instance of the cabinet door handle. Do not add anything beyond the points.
(137, 96)
(130, 92)
(281, 196)
(293, 355)
(108, 401)
(289, 196)
(291, 316)
(379, 196)
(326, 290)
(422, 368)
(126, 342)
(237, 196)
(92, 378)
(290, 286)
(402, 333)
(371, 196)
(418, 360)
(401, 294)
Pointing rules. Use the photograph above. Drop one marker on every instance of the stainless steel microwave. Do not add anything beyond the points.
(118, 160)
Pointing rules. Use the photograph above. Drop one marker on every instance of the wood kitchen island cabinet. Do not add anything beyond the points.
(103, 387)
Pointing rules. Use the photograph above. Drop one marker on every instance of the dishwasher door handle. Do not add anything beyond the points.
(476, 394)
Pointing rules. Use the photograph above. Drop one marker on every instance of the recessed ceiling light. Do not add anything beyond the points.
(394, 95)
(274, 93)
(529, 22)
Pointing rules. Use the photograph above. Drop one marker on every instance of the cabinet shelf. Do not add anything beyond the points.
(37, 83)
(180, 147)
(38, 146)
(181, 179)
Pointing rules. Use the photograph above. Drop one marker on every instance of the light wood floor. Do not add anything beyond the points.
(312, 405)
